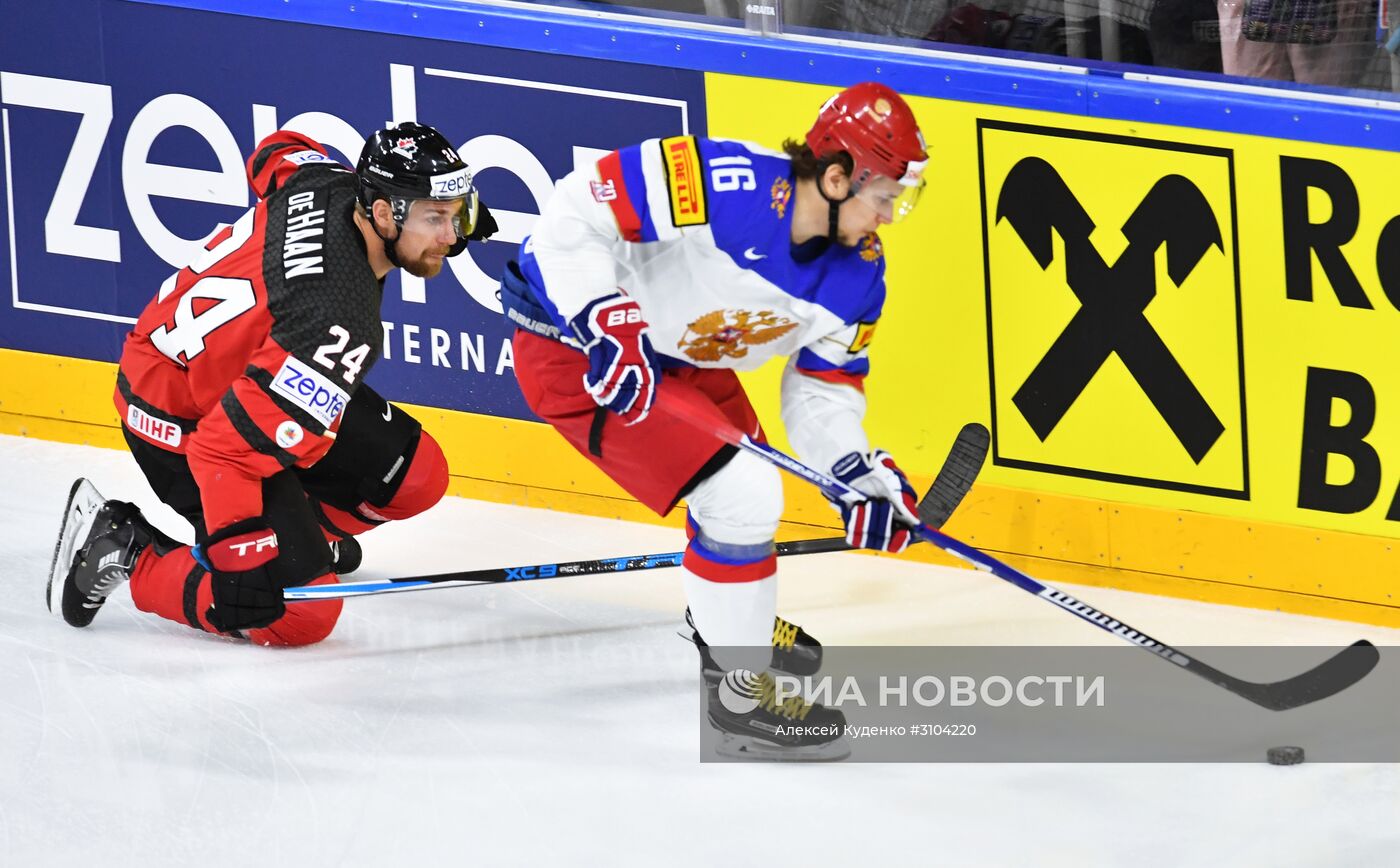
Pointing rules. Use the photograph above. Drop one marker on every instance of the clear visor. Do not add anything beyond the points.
(892, 200)
(445, 220)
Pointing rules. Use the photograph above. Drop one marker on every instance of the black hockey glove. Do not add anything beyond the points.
(239, 559)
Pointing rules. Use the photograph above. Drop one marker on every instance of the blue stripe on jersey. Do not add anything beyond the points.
(810, 361)
(530, 267)
(632, 178)
(747, 225)
(751, 222)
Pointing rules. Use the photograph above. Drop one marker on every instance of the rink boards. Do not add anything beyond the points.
(1174, 307)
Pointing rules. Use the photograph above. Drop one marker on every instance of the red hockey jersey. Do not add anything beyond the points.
(247, 357)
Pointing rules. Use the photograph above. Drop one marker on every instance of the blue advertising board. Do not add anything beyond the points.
(125, 129)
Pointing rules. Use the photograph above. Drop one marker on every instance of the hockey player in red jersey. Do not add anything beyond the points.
(241, 396)
(655, 274)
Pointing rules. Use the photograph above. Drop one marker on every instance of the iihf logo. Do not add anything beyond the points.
(739, 691)
(603, 191)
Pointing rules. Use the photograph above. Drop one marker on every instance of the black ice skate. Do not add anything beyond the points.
(98, 544)
(795, 652)
(752, 724)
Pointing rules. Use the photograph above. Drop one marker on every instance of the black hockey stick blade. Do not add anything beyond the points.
(943, 497)
(949, 487)
(959, 471)
(1333, 676)
(1329, 678)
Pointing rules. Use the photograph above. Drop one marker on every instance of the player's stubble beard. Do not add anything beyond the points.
(846, 238)
(424, 265)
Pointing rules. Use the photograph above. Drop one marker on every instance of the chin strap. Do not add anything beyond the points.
(833, 211)
(390, 244)
(833, 205)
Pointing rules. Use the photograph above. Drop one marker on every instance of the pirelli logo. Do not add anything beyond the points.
(865, 333)
(684, 181)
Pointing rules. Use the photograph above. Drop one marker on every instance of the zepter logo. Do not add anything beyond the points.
(1114, 327)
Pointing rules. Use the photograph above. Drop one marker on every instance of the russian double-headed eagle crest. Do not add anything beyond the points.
(728, 334)
(781, 192)
(870, 248)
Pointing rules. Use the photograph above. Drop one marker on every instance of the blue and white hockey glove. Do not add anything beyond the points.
(622, 367)
(884, 521)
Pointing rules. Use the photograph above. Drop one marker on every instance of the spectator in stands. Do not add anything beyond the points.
(1328, 42)
(1185, 34)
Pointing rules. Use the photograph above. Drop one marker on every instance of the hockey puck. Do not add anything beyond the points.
(1285, 756)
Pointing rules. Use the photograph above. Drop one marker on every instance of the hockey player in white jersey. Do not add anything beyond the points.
(666, 267)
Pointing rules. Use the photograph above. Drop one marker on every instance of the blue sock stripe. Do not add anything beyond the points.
(731, 554)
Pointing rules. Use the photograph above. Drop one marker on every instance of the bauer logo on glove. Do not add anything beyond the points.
(622, 368)
(884, 521)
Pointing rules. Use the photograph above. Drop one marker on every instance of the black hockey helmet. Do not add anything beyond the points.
(412, 161)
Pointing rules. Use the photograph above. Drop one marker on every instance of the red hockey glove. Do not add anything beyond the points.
(884, 521)
(238, 559)
(622, 367)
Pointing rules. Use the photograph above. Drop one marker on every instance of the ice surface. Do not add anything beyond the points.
(556, 722)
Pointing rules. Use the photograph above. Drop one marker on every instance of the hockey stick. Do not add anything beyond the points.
(1330, 677)
(958, 473)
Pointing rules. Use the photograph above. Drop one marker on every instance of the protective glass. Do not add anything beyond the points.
(431, 217)
(892, 200)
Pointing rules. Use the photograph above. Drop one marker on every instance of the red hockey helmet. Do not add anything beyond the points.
(876, 127)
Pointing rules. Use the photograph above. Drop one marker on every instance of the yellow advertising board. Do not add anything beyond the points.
(1180, 328)
(1120, 303)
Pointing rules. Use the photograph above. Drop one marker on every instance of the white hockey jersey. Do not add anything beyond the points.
(698, 232)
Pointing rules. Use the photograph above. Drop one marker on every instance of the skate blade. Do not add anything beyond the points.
(78, 513)
(744, 748)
